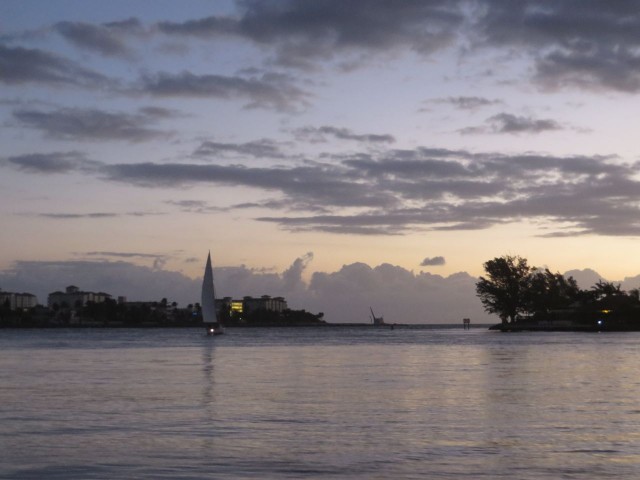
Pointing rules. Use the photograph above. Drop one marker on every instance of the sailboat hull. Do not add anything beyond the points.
(214, 330)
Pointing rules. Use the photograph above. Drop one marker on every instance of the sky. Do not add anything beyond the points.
(341, 154)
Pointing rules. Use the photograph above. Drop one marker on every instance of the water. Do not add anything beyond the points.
(343, 403)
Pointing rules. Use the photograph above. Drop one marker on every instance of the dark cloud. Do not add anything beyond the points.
(57, 162)
(320, 134)
(94, 124)
(96, 38)
(269, 91)
(258, 148)
(432, 261)
(25, 65)
(574, 43)
(305, 31)
(508, 123)
(393, 192)
(570, 43)
(321, 184)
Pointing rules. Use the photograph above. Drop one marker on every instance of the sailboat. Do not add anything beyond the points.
(208, 302)
(376, 320)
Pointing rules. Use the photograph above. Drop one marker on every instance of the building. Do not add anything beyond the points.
(74, 297)
(265, 302)
(250, 304)
(18, 301)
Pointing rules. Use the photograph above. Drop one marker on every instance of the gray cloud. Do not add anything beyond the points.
(320, 134)
(74, 216)
(432, 261)
(96, 38)
(94, 124)
(25, 65)
(508, 123)
(570, 44)
(122, 254)
(466, 103)
(258, 148)
(269, 91)
(94, 215)
(56, 162)
(292, 277)
(574, 43)
(305, 31)
(397, 191)
(307, 185)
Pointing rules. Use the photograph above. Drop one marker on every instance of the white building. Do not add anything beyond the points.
(272, 304)
(18, 301)
(73, 297)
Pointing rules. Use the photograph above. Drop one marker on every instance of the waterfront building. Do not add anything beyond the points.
(73, 297)
(18, 301)
(265, 302)
(249, 305)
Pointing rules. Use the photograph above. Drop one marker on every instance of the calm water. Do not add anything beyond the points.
(337, 403)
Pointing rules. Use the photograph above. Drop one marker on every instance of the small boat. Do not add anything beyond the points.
(208, 302)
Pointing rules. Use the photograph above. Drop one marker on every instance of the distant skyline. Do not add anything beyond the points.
(327, 137)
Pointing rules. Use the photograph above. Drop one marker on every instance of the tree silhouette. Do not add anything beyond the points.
(504, 290)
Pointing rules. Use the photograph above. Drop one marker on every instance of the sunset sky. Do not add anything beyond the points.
(300, 137)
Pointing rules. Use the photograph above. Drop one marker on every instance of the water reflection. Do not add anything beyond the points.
(317, 404)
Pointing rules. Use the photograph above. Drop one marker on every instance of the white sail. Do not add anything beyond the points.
(208, 300)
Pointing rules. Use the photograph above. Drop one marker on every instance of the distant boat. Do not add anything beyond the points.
(376, 320)
(208, 302)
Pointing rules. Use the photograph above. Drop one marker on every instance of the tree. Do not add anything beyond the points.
(504, 290)
(550, 291)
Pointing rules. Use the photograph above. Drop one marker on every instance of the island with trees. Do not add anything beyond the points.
(530, 298)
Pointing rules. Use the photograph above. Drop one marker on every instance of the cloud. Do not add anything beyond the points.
(566, 44)
(122, 254)
(20, 65)
(569, 44)
(343, 296)
(93, 124)
(48, 163)
(393, 192)
(466, 103)
(508, 123)
(73, 216)
(117, 278)
(267, 91)
(591, 45)
(306, 185)
(432, 261)
(263, 148)
(98, 38)
(303, 32)
(94, 215)
(292, 277)
(320, 134)
(395, 293)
